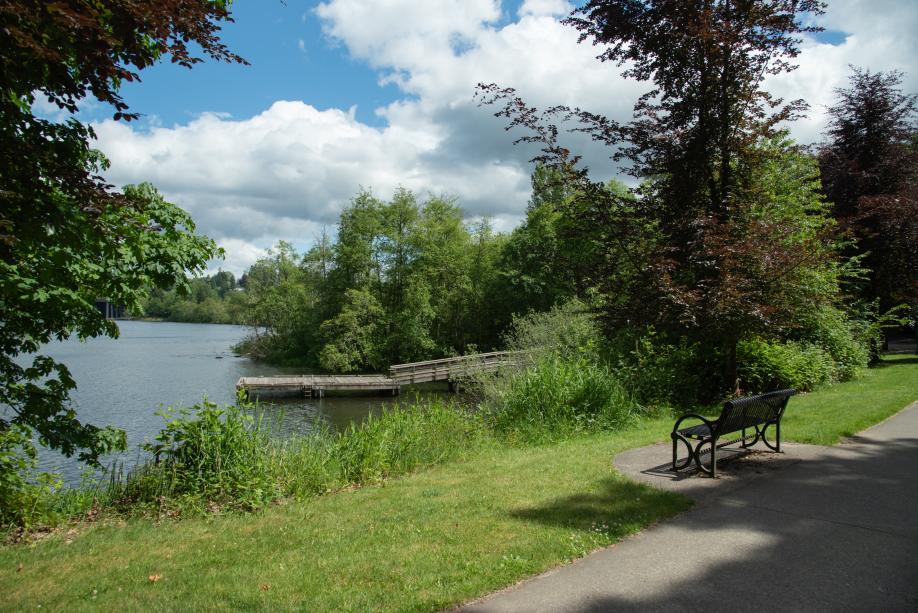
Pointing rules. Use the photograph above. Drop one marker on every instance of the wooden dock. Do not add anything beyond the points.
(451, 369)
(315, 386)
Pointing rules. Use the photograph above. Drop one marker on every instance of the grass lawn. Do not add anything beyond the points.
(836, 411)
(422, 542)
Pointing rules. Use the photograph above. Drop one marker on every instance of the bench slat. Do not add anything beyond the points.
(756, 413)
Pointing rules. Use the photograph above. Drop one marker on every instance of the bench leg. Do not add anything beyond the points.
(697, 453)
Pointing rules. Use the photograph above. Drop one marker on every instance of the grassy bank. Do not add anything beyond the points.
(417, 543)
(825, 416)
(420, 542)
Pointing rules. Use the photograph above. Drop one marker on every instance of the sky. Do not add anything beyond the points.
(344, 95)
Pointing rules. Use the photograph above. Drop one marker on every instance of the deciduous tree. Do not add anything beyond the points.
(870, 173)
(686, 255)
(66, 237)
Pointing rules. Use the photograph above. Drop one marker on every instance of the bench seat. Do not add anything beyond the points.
(755, 413)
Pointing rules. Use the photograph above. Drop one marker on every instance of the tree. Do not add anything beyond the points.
(870, 173)
(48, 285)
(66, 237)
(353, 335)
(685, 255)
(223, 282)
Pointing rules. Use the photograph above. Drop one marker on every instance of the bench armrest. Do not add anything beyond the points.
(708, 422)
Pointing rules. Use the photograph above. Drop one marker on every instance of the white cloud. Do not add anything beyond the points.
(540, 8)
(288, 171)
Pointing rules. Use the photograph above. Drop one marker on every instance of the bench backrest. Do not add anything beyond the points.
(753, 410)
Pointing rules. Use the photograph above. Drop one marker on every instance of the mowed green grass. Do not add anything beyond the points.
(419, 543)
(825, 416)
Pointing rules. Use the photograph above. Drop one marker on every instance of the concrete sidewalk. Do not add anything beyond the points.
(816, 529)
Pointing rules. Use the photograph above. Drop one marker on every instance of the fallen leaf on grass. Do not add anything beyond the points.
(265, 587)
(155, 578)
(19, 568)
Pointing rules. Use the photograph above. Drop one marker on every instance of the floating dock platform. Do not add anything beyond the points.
(315, 386)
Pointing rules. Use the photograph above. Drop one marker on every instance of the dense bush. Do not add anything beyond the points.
(566, 330)
(25, 495)
(207, 452)
(769, 365)
(661, 372)
(561, 385)
(844, 339)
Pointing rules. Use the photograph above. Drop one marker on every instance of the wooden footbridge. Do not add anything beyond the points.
(451, 370)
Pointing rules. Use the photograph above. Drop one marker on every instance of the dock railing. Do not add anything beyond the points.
(450, 369)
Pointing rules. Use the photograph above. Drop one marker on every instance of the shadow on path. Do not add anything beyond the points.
(838, 531)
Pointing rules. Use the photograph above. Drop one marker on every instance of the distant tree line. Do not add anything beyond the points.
(399, 281)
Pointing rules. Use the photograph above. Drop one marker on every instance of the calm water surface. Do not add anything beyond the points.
(122, 382)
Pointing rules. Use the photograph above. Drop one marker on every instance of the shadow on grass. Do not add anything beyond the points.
(622, 505)
(898, 361)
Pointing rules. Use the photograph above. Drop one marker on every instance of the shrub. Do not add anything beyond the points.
(556, 397)
(768, 365)
(845, 340)
(26, 497)
(567, 330)
(657, 371)
(206, 453)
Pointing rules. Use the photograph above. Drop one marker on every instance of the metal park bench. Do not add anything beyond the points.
(754, 413)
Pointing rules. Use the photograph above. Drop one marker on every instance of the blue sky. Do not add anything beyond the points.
(376, 94)
(269, 34)
(290, 59)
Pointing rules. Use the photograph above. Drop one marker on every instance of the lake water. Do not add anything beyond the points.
(122, 382)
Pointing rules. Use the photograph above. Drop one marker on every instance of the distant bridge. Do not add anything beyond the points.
(451, 370)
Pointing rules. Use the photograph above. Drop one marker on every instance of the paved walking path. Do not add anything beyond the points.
(818, 529)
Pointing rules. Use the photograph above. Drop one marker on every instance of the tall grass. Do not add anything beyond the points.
(209, 458)
(558, 397)
(401, 440)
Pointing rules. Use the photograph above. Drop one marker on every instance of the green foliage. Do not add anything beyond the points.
(208, 452)
(766, 366)
(25, 496)
(66, 236)
(354, 336)
(847, 341)
(660, 372)
(278, 304)
(209, 299)
(703, 252)
(403, 281)
(48, 286)
(568, 330)
(558, 397)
